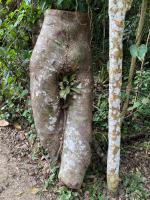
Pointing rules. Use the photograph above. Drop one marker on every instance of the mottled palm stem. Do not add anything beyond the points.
(133, 60)
(117, 11)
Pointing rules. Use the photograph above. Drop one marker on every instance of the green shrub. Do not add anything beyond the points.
(15, 51)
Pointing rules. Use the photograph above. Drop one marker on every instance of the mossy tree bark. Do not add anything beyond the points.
(117, 11)
(63, 45)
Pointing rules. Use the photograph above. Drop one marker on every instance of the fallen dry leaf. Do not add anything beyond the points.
(17, 126)
(4, 123)
(35, 190)
(19, 194)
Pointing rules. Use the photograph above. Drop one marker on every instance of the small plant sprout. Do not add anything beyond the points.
(68, 86)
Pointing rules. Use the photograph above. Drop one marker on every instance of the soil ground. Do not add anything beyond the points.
(17, 172)
(21, 173)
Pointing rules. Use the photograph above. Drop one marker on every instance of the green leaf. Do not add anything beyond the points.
(139, 52)
(76, 90)
(20, 18)
(24, 93)
(27, 2)
(62, 94)
(72, 78)
(65, 79)
(136, 104)
(8, 2)
(67, 90)
(142, 50)
(1, 33)
(145, 101)
(2, 51)
(59, 2)
(134, 50)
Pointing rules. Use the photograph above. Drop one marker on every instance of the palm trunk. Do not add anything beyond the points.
(117, 11)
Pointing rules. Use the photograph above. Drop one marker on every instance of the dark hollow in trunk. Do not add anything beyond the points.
(63, 45)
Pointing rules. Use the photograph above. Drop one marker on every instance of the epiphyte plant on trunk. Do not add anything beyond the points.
(68, 86)
(64, 45)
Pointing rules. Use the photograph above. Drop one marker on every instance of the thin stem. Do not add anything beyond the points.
(133, 60)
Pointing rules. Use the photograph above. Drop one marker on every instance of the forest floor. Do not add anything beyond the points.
(25, 172)
(17, 170)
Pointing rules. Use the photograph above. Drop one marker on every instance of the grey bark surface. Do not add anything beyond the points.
(63, 45)
(47, 58)
(76, 150)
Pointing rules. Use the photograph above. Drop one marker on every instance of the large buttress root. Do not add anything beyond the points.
(77, 135)
(46, 61)
(64, 45)
(76, 150)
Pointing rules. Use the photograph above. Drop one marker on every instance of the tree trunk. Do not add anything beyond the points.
(63, 45)
(117, 11)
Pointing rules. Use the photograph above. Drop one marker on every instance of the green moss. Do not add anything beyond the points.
(112, 182)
